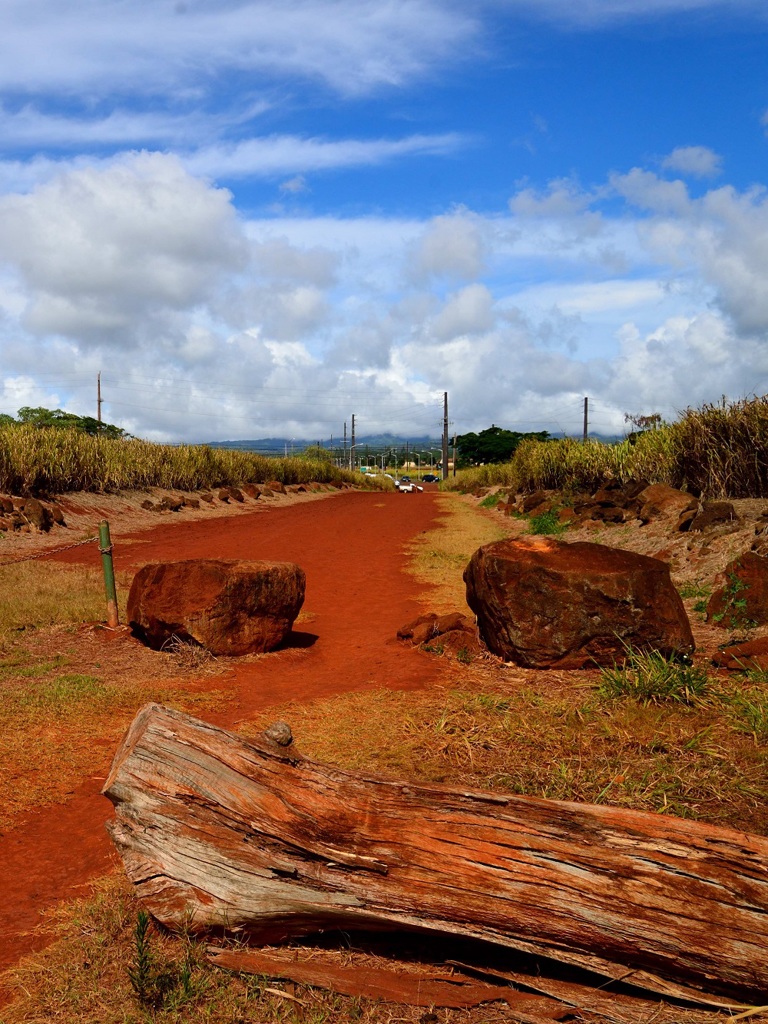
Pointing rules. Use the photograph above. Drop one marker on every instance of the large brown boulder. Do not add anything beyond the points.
(228, 607)
(543, 603)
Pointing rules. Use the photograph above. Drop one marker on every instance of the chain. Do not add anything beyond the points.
(49, 551)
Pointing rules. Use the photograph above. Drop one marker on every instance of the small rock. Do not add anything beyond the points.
(36, 514)
(713, 513)
(280, 733)
(744, 657)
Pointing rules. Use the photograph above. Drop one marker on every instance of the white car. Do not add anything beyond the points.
(408, 488)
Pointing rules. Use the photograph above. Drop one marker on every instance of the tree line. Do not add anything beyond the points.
(41, 417)
(494, 444)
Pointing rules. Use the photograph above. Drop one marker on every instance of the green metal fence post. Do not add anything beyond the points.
(105, 547)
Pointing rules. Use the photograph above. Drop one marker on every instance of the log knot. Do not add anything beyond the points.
(280, 733)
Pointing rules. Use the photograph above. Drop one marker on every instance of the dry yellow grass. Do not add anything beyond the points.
(438, 558)
(66, 697)
(41, 593)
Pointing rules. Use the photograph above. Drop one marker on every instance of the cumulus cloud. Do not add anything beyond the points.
(698, 161)
(278, 259)
(469, 311)
(216, 327)
(563, 198)
(648, 191)
(98, 250)
(453, 245)
(684, 361)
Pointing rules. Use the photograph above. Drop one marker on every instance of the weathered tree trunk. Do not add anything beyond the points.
(218, 832)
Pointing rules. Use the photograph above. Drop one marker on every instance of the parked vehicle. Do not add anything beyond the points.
(430, 478)
(407, 487)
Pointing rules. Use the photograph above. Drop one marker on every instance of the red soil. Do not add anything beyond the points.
(351, 547)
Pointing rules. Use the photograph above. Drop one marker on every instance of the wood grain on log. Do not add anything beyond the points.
(218, 832)
(433, 989)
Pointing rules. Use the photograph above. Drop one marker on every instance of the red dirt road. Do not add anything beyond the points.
(351, 547)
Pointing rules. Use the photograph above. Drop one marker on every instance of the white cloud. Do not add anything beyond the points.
(684, 361)
(453, 245)
(698, 161)
(146, 47)
(214, 327)
(295, 184)
(99, 250)
(469, 311)
(562, 199)
(595, 14)
(278, 259)
(30, 128)
(646, 190)
(284, 154)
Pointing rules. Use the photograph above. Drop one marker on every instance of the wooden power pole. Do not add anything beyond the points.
(586, 418)
(445, 435)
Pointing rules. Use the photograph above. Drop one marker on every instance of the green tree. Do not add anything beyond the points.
(39, 416)
(494, 444)
(316, 451)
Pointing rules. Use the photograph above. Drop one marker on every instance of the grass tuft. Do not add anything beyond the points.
(547, 523)
(649, 677)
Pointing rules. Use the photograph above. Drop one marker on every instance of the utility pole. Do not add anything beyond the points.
(345, 445)
(98, 401)
(454, 454)
(352, 445)
(445, 435)
(586, 418)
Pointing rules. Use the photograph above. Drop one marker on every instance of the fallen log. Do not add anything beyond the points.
(218, 832)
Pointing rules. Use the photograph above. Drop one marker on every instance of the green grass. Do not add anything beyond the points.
(492, 500)
(749, 707)
(547, 523)
(693, 588)
(649, 677)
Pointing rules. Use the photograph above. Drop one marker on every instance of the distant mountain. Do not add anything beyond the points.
(283, 445)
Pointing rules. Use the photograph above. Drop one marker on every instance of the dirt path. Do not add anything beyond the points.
(351, 547)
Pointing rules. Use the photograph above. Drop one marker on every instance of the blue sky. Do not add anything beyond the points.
(257, 218)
